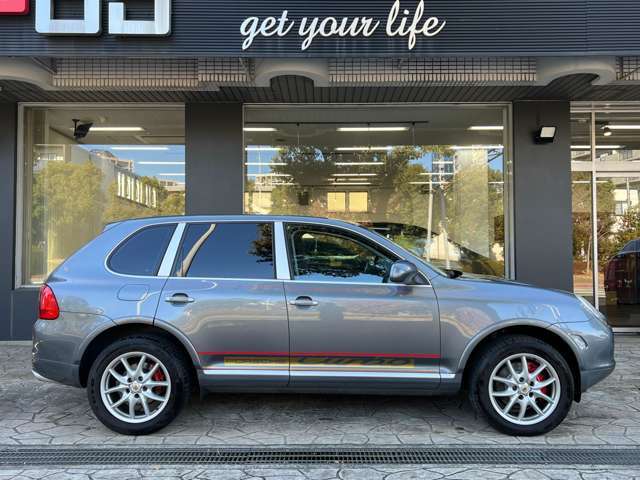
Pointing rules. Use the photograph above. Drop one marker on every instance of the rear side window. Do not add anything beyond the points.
(142, 253)
(226, 250)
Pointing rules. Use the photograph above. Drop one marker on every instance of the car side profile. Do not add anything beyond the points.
(153, 309)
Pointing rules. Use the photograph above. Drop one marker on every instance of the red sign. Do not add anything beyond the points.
(14, 7)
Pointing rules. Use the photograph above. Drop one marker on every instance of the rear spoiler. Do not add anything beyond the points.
(111, 225)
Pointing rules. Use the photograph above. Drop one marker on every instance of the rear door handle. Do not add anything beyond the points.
(179, 298)
(303, 302)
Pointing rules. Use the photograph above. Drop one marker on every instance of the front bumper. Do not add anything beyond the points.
(589, 378)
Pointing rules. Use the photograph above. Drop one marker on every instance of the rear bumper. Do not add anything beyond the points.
(51, 371)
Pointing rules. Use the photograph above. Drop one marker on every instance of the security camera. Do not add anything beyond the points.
(81, 130)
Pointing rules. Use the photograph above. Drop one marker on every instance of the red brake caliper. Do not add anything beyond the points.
(158, 376)
(532, 366)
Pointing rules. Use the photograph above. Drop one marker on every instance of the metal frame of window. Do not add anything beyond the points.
(611, 169)
(18, 281)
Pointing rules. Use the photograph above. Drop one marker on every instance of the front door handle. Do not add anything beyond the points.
(303, 302)
(179, 298)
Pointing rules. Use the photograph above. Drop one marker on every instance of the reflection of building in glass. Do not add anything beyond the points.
(129, 186)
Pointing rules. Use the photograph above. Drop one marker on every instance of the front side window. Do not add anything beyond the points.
(84, 167)
(142, 253)
(324, 254)
(226, 250)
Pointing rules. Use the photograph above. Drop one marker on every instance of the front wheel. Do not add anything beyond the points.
(523, 385)
(138, 385)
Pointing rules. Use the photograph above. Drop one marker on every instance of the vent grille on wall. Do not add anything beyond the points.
(150, 74)
(433, 71)
(628, 69)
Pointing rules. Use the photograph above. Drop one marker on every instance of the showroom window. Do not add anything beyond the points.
(431, 178)
(83, 167)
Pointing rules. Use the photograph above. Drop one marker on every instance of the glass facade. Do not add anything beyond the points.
(606, 186)
(83, 167)
(430, 178)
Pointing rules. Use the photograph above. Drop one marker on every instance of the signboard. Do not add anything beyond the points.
(14, 7)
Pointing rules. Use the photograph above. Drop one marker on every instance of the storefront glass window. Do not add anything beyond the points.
(111, 164)
(429, 178)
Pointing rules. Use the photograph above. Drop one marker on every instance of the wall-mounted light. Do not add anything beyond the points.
(545, 135)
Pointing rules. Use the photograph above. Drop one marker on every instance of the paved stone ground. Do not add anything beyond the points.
(37, 413)
(328, 473)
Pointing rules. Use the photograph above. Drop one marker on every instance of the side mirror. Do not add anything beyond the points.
(403, 271)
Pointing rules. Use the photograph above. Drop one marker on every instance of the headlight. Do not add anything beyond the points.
(591, 309)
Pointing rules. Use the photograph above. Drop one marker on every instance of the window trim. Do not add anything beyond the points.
(187, 223)
(121, 243)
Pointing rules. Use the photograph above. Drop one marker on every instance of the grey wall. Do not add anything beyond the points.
(542, 196)
(8, 118)
(214, 158)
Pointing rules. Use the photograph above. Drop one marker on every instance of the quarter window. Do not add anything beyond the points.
(226, 250)
(322, 254)
(142, 253)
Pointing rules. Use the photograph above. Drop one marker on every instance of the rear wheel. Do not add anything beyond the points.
(138, 385)
(523, 385)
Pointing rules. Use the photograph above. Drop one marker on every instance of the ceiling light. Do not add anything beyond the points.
(373, 129)
(160, 163)
(477, 147)
(362, 149)
(263, 149)
(259, 129)
(487, 127)
(116, 129)
(598, 147)
(354, 174)
(268, 175)
(606, 131)
(351, 183)
(348, 164)
(259, 164)
(140, 148)
(623, 127)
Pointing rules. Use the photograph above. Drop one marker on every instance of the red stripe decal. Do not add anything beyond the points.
(326, 354)
(266, 354)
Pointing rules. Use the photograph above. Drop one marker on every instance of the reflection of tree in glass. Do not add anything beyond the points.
(262, 246)
(462, 204)
(65, 212)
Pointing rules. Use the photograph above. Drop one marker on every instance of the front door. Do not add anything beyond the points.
(350, 327)
(224, 296)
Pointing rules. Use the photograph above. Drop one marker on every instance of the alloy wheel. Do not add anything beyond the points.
(135, 387)
(524, 389)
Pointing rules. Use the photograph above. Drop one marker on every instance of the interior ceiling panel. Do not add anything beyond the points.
(292, 89)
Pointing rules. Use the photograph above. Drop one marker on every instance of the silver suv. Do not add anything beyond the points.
(154, 308)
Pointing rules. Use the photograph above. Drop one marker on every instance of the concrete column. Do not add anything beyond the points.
(8, 119)
(214, 158)
(542, 195)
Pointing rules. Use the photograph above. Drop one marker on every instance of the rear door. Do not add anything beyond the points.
(224, 296)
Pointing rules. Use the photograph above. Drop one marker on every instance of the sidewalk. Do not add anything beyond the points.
(36, 413)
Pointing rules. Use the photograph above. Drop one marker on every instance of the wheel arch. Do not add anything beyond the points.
(542, 332)
(105, 337)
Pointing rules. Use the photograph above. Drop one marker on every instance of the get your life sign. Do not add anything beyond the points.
(399, 22)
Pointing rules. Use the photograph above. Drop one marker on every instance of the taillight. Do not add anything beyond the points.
(48, 308)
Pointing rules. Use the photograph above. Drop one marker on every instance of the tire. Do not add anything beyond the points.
(158, 398)
(491, 387)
